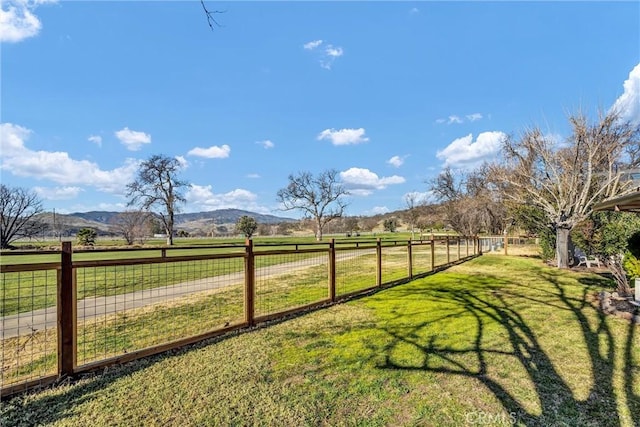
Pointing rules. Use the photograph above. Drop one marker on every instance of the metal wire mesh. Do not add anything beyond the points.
(289, 280)
(421, 257)
(126, 305)
(355, 270)
(130, 307)
(394, 263)
(440, 250)
(29, 335)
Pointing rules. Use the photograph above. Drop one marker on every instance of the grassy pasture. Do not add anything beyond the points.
(27, 291)
(496, 341)
(276, 290)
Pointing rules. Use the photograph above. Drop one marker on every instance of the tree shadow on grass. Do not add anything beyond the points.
(489, 302)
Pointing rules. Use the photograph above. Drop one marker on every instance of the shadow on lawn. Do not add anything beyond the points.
(487, 302)
(23, 410)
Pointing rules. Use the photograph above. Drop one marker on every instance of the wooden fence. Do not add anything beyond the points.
(79, 314)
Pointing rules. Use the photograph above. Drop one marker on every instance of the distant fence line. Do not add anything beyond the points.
(78, 314)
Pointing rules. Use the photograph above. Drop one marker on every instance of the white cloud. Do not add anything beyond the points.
(132, 139)
(377, 210)
(253, 176)
(58, 193)
(312, 44)
(266, 144)
(17, 20)
(414, 10)
(204, 198)
(396, 161)
(95, 139)
(183, 162)
(419, 197)
(12, 139)
(465, 152)
(343, 136)
(57, 166)
(362, 182)
(213, 152)
(327, 56)
(334, 52)
(628, 104)
(455, 119)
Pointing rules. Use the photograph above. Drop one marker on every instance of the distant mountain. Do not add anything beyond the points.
(230, 216)
(220, 216)
(103, 217)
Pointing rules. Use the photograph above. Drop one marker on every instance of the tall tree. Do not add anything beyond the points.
(157, 187)
(318, 197)
(565, 179)
(19, 209)
(470, 204)
(412, 201)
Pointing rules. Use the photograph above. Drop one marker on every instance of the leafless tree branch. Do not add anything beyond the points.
(210, 14)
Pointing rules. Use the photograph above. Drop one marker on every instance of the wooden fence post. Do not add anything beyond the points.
(378, 262)
(433, 253)
(67, 315)
(448, 256)
(506, 243)
(410, 259)
(249, 283)
(332, 270)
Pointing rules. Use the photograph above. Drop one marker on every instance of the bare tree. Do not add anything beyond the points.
(318, 197)
(210, 14)
(157, 186)
(19, 209)
(469, 203)
(133, 225)
(368, 223)
(412, 201)
(566, 179)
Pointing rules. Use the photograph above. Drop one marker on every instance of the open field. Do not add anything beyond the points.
(126, 322)
(494, 341)
(28, 291)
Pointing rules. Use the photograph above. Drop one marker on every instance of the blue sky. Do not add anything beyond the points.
(387, 93)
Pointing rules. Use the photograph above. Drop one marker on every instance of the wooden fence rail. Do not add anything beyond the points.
(422, 255)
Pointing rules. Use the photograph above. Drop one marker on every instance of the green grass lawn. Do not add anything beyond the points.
(495, 340)
(27, 291)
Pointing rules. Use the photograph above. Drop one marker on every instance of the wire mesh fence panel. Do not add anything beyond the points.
(355, 270)
(394, 263)
(29, 335)
(421, 258)
(286, 281)
(440, 251)
(454, 247)
(132, 307)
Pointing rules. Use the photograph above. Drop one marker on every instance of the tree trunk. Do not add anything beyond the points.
(563, 244)
(318, 230)
(169, 231)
